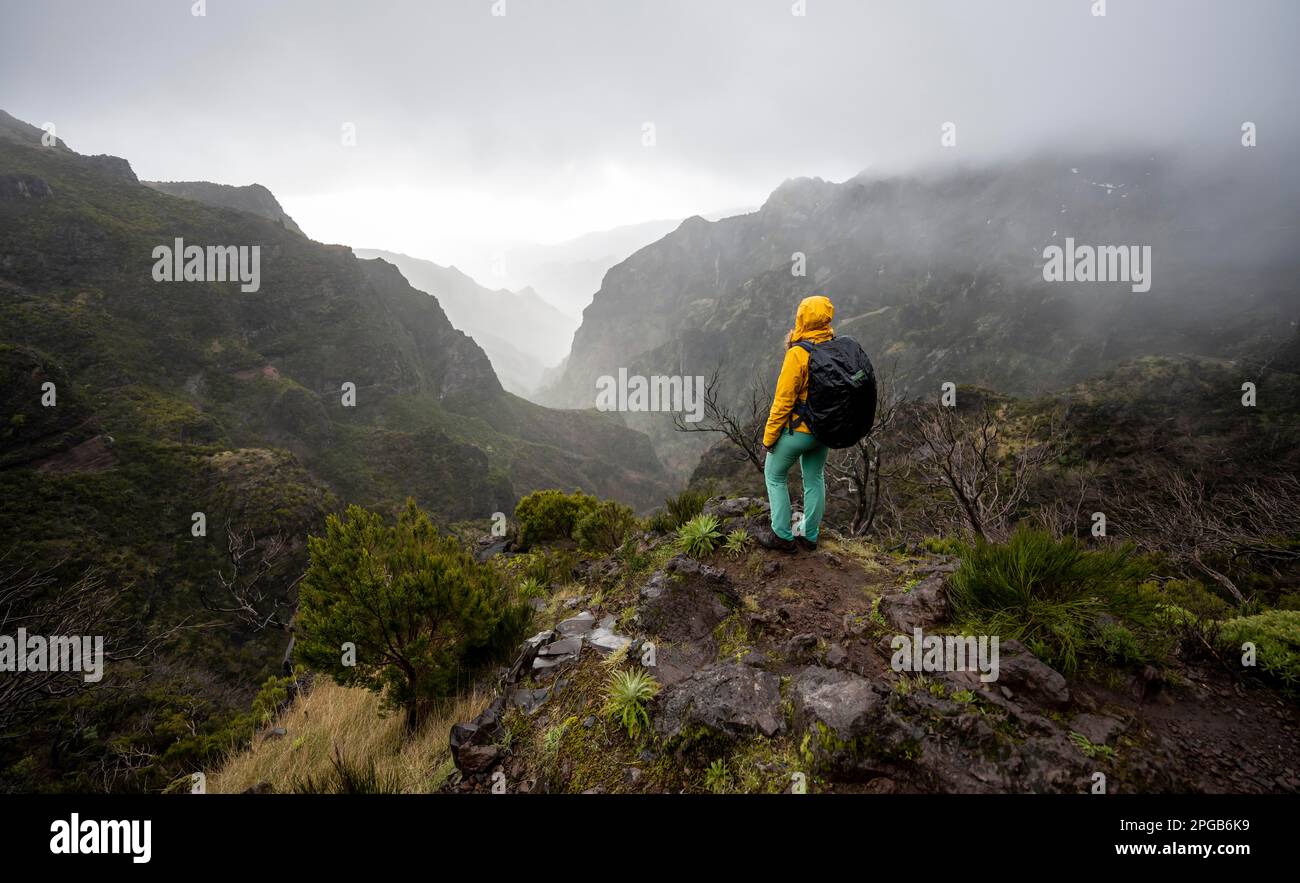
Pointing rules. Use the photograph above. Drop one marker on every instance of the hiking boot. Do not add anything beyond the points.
(767, 538)
(806, 544)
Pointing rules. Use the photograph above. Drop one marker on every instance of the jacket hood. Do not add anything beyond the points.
(812, 321)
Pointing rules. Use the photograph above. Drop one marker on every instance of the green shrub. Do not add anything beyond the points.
(1090, 750)
(942, 545)
(551, 515)
(531, 587)
(421, 614)
(1051, 594)
(677, 510)
(626, 697)
(271, 697)
(1276, 636)
(1119, 645)
(1195, 598)
(737, 542)
(605, 527)
(685, 505)
(699, 536)
(717, 778)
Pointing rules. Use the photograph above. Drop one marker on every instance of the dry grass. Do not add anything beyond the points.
(349, 720)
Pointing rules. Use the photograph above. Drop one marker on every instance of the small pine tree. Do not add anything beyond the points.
(422, 613)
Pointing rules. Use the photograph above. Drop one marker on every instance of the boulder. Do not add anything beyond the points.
(920, 607)
(685, 600)
(1099, 729)
(468, 740)
(735, 507)
(528, 701)
(607, 640)
(489, 546)
(557, 653)
(726, 699)
(477, 758)
(528, 652)
(1028, 677)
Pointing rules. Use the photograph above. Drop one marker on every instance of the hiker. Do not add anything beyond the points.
(843, 405)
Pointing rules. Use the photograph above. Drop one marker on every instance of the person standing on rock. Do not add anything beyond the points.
(788, 438)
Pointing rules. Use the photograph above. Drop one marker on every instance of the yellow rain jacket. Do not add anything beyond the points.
(812, 322)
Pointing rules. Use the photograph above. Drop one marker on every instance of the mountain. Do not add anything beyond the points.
(522, 334)
(169, 441)
(568, 273)
(941, 278)
(253, 198)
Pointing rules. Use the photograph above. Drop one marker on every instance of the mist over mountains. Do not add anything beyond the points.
(523, 335)
(940, 276)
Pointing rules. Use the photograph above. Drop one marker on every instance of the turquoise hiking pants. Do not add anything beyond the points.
(811, 454)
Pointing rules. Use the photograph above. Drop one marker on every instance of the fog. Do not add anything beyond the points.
(474, 131)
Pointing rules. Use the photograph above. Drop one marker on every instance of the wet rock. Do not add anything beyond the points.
(848, 721)
(1100, 729)
(1028, 676)
(477, 758)
(728, 699)
(607, 640)
(735, 507)
(477, 734)
(528, 653)
(577, 625)
(684, 602)
(921, 607)
(558, 653)
(562, 647)
(489, 546)
(800, 648)
(528, 700)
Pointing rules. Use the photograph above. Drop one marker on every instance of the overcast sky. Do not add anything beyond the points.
(473, 129)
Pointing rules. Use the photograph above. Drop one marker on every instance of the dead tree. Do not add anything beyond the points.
(253, 591)
(1202, 532)
(979, 462)
(37, 601)
(742, 426)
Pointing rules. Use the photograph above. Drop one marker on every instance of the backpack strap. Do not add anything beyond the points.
(799, 413)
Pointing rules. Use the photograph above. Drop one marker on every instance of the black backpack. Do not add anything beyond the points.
(841, 404)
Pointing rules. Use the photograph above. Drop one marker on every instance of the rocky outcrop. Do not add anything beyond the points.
(726, 700)
(847, 722)
(252, 198)
(24, 186)
(1024, 674)
(920, 606)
